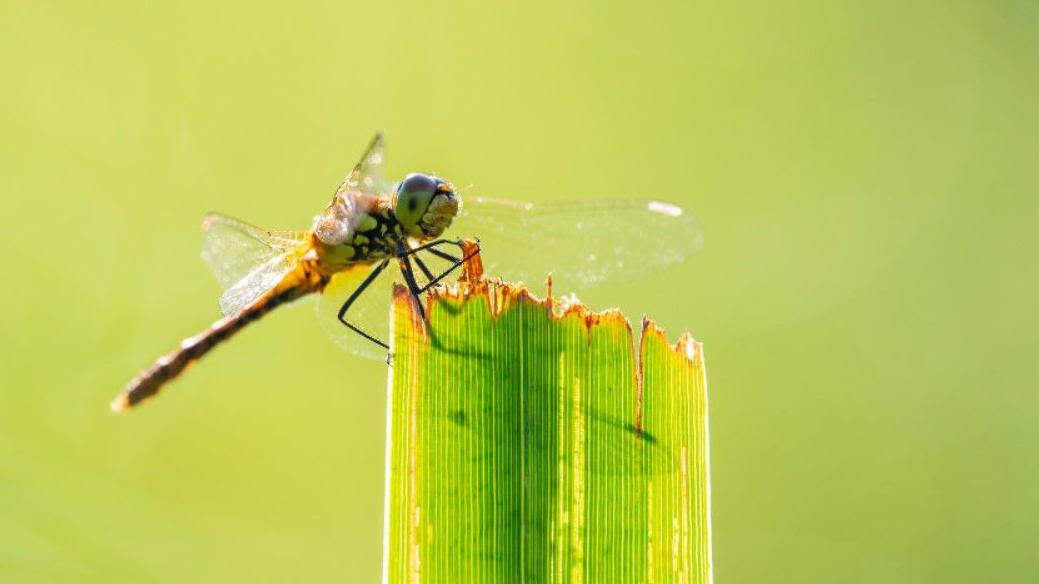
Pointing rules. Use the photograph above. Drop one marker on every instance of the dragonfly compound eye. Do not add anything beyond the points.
(425, 205)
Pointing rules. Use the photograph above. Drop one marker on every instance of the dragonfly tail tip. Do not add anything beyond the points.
(120, 404)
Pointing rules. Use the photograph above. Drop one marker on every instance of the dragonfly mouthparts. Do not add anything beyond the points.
(442, 209)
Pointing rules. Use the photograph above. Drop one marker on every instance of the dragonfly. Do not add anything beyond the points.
(418, 224)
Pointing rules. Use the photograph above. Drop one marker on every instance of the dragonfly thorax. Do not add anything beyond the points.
(371, 235)
(361, 228)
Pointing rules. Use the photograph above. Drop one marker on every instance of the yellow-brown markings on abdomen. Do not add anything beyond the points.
(148, 383)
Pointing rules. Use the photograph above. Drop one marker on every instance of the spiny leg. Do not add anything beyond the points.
(411, 254)
(422, 266)
(409, 278)
(354, 295)
(458, 262)
(431, 248)
(405, 254)
(443, 254)
(425, 269)
(432, 244)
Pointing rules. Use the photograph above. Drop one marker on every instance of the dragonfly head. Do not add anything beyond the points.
(425, 205)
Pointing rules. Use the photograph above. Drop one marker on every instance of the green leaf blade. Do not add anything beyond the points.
(523, 447)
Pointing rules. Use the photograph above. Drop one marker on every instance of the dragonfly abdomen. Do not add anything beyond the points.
(172, 364)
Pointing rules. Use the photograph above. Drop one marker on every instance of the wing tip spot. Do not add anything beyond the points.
(665, 208)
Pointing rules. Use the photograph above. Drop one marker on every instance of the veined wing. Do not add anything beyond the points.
(370, 311)
(581, 243)
(362, 188)
(366, 175)
(248, 261)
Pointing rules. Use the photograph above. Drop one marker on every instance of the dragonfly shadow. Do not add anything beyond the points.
(612, 446)
(617, 447)
(453, 345)
(619, 425)
(526, 409)
(458, 417)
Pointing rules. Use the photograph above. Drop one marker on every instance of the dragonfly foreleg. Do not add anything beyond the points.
(458, 262)
(425, 270)
(405, 257)
(422, 266)
(443, 254)
(354, 295)
(432, 244)
(430, 247)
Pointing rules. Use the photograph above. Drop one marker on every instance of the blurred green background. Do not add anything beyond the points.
(865, 175)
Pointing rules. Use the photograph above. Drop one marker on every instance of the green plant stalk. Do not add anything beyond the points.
(527, 444)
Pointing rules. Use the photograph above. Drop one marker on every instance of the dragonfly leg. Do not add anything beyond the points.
(405, 257)
(435, 243)
(457, 263)
(354, 295)
(430, 248)
(422, 266)
(443, 254)
(409, 278)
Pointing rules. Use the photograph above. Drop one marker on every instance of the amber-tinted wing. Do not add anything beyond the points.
(248, 261)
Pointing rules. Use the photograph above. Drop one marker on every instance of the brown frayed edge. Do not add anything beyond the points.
(685, 346)
(402, 295)
(501, 295)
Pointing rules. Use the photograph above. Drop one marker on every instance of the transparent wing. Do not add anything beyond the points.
(370, 311)
(363, 188)
(581, 243)
(248, 261)
(366, 175)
